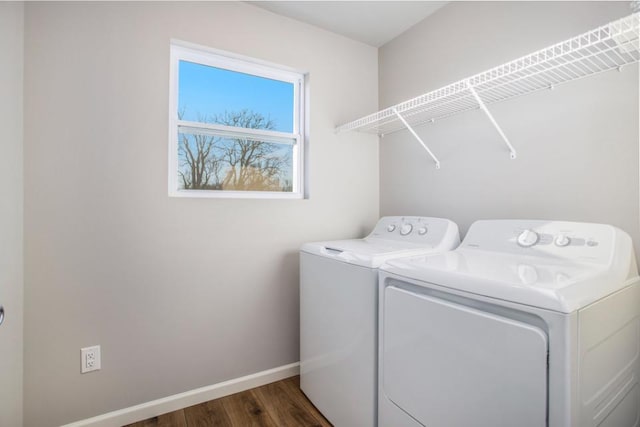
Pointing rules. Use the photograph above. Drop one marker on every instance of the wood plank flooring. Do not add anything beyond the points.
(279, 404)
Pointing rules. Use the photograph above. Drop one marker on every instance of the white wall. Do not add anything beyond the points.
(11, 202)
(180, 293)
(577, 145)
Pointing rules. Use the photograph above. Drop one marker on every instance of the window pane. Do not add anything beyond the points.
(214, 95)
(207, 162)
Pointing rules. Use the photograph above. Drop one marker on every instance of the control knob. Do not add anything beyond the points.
(406, 229)
(422, 231)
(527, 238)
(562, 240)
(391, 227)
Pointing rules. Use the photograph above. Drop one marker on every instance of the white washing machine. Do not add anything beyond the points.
(339, 312)
(527, 323)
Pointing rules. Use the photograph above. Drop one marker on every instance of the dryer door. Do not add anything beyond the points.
(446, 364)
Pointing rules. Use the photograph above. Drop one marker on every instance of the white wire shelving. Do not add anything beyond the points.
(609, 47)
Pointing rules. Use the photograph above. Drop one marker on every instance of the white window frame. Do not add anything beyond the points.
(182, 51)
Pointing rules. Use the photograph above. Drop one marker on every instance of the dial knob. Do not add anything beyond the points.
(562, 240)
(422, 231)
(391, 227)
(406, 229)
(527, 238)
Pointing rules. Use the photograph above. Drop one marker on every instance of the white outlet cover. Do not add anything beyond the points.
(90, 359)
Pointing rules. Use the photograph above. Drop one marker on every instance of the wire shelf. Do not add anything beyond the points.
(605, 48)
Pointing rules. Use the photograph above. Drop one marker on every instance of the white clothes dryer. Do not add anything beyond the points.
(339, 312)
(527, 323)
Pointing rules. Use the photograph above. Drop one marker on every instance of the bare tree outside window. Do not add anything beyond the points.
(238, 164)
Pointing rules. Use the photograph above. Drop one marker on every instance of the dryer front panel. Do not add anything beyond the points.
(447, 364)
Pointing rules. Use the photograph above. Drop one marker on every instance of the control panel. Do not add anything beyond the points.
(568, 240)
(416, 229)
(531, 237)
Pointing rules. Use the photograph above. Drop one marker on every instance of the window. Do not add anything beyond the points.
(236, 126)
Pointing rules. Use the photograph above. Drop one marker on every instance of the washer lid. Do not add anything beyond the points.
(393, 237)
(367, 252)
(492, 263)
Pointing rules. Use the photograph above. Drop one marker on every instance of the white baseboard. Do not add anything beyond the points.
(188, 398)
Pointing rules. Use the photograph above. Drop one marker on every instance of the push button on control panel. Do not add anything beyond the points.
(527, 238)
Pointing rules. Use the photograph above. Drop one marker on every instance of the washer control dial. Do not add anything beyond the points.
(527, 238)
(422, 231)
(391, 227)
(406, 229)
(562, 240)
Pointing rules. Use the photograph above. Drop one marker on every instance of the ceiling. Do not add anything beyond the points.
(371, 22)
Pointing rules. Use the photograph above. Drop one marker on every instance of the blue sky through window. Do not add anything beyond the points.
(206, 91)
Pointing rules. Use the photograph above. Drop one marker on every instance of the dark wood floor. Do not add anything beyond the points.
(279, 404)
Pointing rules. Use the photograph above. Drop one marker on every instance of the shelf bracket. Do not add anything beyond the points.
(484, 108)
(415, 135)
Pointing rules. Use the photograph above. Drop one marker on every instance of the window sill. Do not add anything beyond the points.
(214, 194)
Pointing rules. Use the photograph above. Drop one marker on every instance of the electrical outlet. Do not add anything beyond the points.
(89, 359)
